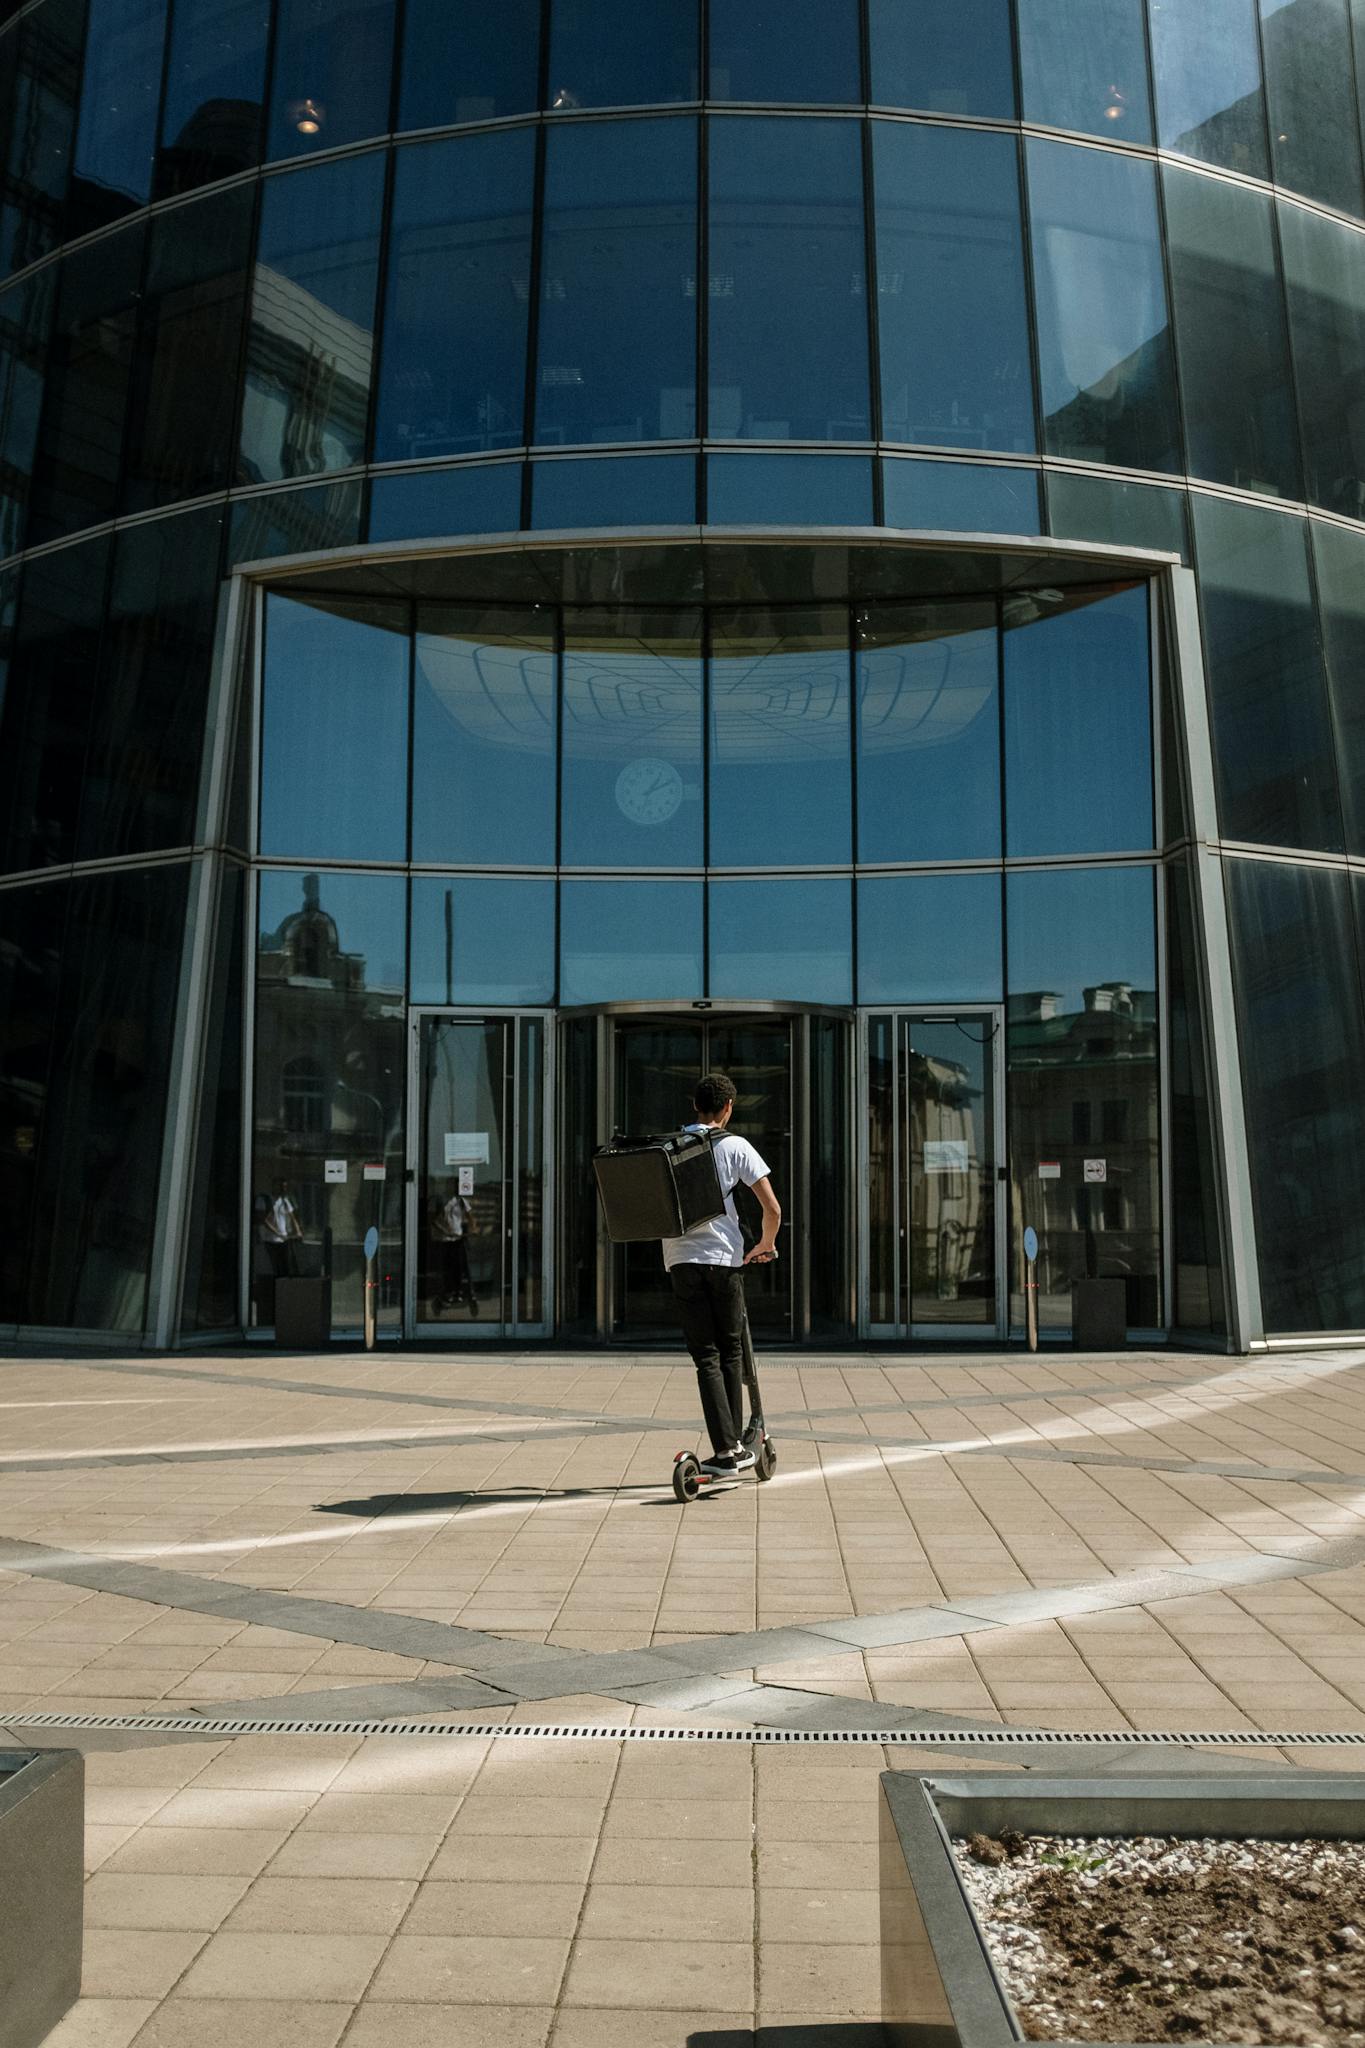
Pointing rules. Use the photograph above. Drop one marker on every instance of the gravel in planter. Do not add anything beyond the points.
(1155, 1939)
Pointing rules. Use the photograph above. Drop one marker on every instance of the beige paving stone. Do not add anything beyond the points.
(471, 1970)
(132, 1963)
(373, 1813)
(717, 1977)
(725, 1861)
(100, 2023)
(636, 2029)
(492, 1814)
(324, 1905)
(364, 1856)
(843, 1980)
(807, 1866)
(230, 1807)
(491, 1908)
(830, 1914)
(680, 1912)
(332, 1968)
(119, 1899)
(205, 1852)
(451, 2026)
(244, 2023)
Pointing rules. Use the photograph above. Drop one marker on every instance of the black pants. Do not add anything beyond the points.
(711, 1310)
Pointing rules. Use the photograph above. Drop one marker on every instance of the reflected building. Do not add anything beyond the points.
(544, 550)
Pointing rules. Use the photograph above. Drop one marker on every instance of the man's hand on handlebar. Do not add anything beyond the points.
(760, 1256)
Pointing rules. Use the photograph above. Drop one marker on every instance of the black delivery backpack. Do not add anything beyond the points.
(658, 1188)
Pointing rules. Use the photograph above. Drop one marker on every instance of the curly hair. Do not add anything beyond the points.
(712, 1093)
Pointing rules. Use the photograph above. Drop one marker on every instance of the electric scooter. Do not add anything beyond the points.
(688, 1478)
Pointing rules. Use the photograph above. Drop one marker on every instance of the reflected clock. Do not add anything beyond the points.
(649, 791)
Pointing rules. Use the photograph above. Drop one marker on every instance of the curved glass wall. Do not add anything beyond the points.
(780, 270)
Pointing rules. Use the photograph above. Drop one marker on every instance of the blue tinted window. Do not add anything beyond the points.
(1084, 65)
(295, 522)
(1108, 387)
(334, 732)
(780, 783)
(25, 318)
(310, 340)
(953, 330)
(929, 939)
(1303, 1049)
(453, 373)
(468, 63)
(1225, 279)
(184, 400)
(789, 941)
(116, 135)
(1325, 280)
(618, 322)
(1339, 559)
(929, 733)
(482, 939)
(429, 502)
(624, 941)
(787, 295)
(215, 88)
(330, 77)
(1100, 508)
(960, 497)
(1207, 61)
(1314, 121)
(1272, 742)
(632, 776)
(49, 697)
(1079, 935)
(785, 50)
(648, 490)
(946, 56)
(39, 87)
(80, 441)
(789, 490)
(615, 53)
(483, 768)
(1078, 723)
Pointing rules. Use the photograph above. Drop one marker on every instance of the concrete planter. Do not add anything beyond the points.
(939, 1986)
(42, 1830)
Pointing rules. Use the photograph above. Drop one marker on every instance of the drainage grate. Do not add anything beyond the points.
(895, 1738)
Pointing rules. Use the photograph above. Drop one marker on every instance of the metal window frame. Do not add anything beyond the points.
(508, 1327)
(904, 1329)
(1177, 644)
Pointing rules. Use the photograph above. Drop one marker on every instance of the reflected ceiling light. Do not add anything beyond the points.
(308, 116)
(1115, 105)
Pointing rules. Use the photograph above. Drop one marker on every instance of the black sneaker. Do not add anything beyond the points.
(722, 1467)
(744, 1457)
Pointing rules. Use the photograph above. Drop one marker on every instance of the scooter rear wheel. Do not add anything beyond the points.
(686, 1477)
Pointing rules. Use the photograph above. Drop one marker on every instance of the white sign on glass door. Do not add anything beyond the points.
(466, 1148)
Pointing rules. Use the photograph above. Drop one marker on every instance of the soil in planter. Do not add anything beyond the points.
(1161, 1940)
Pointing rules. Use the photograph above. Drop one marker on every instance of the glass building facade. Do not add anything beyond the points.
(544, 548)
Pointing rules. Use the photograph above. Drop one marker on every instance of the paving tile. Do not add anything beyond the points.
(131, 1963)
(244, 2023)
(129, 1900)
(680, 1912)
(471, 1906)
(324, 1905)
(836, 1980)
(100, 2023)
(284, 1967)
(495, 1815)
(724, 1861)
(365, 1856)
(208, 1852)
(829, 1914)
(636, 2029)
(673, 1975)
(451, 2026)
(471, 1970)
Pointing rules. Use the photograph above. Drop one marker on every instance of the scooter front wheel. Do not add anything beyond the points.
(686, 1477)
(765, 1463)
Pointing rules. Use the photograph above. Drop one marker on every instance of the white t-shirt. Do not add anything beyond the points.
(719, 1241)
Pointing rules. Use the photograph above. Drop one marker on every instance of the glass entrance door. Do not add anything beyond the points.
(477, 1223)
(655, 1065)
(934, 1232)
